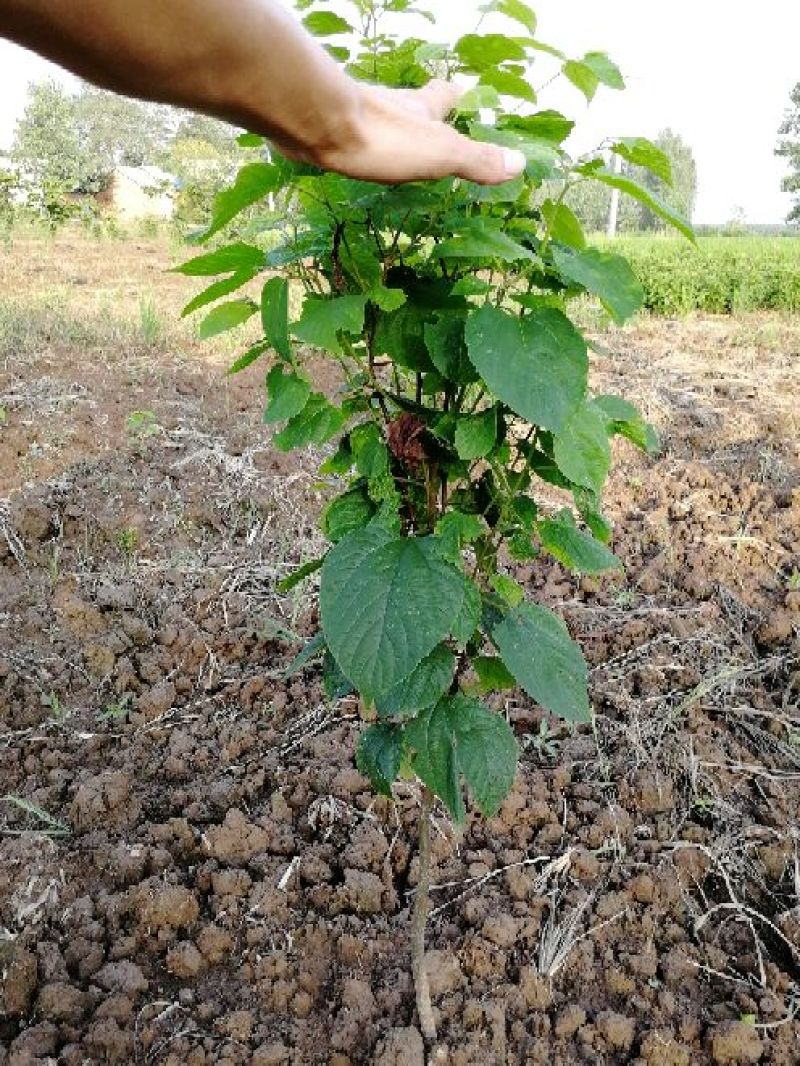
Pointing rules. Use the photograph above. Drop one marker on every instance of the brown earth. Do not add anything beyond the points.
(191, 869)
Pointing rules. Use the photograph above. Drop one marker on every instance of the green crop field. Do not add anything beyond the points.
(722, 275)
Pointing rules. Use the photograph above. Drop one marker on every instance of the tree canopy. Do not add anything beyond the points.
(789, 148)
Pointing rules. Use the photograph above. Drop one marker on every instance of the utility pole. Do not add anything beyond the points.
(613, 210)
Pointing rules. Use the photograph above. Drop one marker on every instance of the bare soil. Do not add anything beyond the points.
(192, 871)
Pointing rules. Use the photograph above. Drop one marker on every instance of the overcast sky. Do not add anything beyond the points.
(719, 72)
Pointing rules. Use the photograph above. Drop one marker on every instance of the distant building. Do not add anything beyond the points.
(136, 193)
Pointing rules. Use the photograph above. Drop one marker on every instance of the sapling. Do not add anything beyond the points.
(463, 387)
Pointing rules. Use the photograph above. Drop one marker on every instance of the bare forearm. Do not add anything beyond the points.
(251, 62)
(245, 60)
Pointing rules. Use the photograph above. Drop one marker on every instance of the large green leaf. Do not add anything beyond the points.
(513, 9)
(537, 649)
(326, 24)
(606, 275)
(643, 153)
(287, 394)
(486, 752)
(644, 196)
(537, 365)
(581, 448)
(386, 602)
(573, 548)
(481, 238)
(469, 617)
(315, 424)
(624, 419)
(232, 259)
(430, 738)
(275, 316)
(508, 84)
(447, 347)
(480, 52)
(460, 736)
(593, 70)
(476, 435)
(400, 334)
(351, 511)
(322, 320)
(493, 674)
(549, 126)
(379, 755)
(226, 316)
(253, 183)
(563, 224)
(424, 686)
(456, 530)
(216, 291)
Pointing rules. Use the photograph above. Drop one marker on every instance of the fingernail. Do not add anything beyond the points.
(514, 162)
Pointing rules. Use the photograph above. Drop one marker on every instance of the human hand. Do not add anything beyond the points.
(399, 135)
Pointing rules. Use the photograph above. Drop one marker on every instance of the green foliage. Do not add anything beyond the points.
(463, 387)
(724, 275)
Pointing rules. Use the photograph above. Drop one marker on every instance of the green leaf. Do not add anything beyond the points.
(370, 451)
(226, 316)
(312, 650)
(379, 755)
(299, 575)
(606, 275)
(469, 617)
(480, 52)
(400, 334)
(537, 649)
(251, 140)
(287, 395)
(456, 530)
(486, 752)
(216, 291)
(549, 126)
(644, 196)
(234, 258)
(513, 9)
(493, 675)
(582, 77)
(581, 448)
(542, 158)
(447, 347)
(481, 238)
(476, 435)
(624, 419)
(315, 424)
(322, 320)
(643, 153)
(334, 683)
(326, 24)
(275, 316)
(387, 299)
(507, 589)
(461, 736)
(574, 549)
(479, 98)
(537, 365)
(563, 224)
(347, 513)
(424, 686)
(253, 183)
(249, 357)
(605, 70)
(386, 602)
(430, 737)
(508, 84)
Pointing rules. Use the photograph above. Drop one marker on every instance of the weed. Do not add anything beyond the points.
(127, 540)
(45, 823)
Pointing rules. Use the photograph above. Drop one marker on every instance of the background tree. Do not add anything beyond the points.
(789, 149)
(591, 202)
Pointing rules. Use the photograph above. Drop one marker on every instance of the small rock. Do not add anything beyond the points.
(236, 841)
(617, 1030)
(444, 972)
(569, 1021)
(19, 976)
(125, 977)
(61, 1002)
(184, 960)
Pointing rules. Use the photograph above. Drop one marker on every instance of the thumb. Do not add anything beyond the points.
(487, 164)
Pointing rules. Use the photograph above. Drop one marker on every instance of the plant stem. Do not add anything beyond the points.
(420, 919)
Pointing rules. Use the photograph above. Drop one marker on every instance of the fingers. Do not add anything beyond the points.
(486, 164)
(439, 98)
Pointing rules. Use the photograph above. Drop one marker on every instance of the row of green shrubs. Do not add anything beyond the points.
(722, 275)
